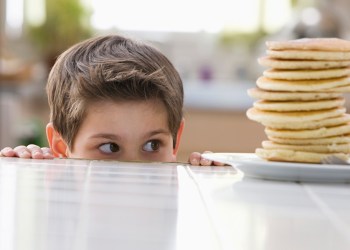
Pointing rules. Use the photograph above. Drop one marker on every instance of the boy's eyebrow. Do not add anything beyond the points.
(116, 137)
(105, 135)
(159, 131)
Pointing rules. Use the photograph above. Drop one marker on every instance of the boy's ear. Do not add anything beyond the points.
(57, 145)
(178, 136)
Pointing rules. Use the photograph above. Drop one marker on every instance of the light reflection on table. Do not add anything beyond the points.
(80, 204)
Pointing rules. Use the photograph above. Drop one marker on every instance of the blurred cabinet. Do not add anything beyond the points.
(9, 117)
(22, 104)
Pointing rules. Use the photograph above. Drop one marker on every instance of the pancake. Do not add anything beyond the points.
(309, 133)
(329, 122)
(294, 156)
(300, 100)
(257, 93)
(301, 64)
(302, 116)
(306, 74)
(301, 85)
(341, 89)
(308, 55)
(312, 141)
(322, 148)
(323, 44)
(299, 105)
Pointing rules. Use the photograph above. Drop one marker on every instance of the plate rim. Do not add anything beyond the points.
(260, 161)
(284, 171)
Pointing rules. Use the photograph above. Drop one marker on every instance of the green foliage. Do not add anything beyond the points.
(67, 22)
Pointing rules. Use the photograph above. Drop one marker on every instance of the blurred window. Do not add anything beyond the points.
(191, 16)
(245, 16)
(14, 18)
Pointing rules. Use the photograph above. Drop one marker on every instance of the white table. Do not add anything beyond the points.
(79, 204)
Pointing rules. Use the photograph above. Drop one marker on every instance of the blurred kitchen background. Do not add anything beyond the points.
(213, 44)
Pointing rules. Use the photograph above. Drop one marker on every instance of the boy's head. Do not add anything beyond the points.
(110, 69)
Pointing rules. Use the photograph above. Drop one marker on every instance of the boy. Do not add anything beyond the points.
(113, 98)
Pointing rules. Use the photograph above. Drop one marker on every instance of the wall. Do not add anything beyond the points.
(219, 131)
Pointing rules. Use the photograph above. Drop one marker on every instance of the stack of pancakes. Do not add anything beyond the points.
(300, 100)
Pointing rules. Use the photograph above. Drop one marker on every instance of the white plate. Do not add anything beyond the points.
(253, 166)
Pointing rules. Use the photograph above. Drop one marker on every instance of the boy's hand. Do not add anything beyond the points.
(27, 152)
(197, 160)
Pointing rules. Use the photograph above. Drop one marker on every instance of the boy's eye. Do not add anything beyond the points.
(151, 146)
(109, 148)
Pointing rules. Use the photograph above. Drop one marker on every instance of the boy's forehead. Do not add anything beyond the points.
(128, 108)
(129, 119)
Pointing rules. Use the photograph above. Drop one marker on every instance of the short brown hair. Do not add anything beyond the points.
(110, 68)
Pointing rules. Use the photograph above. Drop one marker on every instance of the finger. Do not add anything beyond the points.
(195, 158)
(205, 162)
(7, 152)
(22, 152)
(211, 163)
(47, 153)
(36, 152)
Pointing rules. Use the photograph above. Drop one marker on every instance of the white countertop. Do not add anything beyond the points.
(79, 204)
